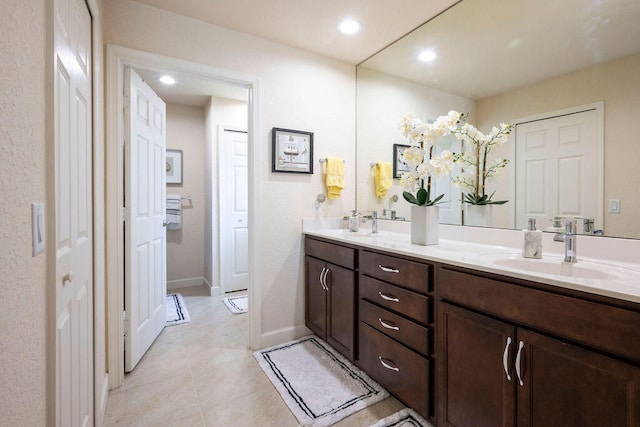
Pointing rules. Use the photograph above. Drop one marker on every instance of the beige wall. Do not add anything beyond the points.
(23, 175)
(298, 90)
(219, 112)
(27, 326)
(617, 84)
(185, 246)
(383, 100)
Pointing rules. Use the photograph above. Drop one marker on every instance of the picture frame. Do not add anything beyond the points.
(291, 151)
(173, 167)
(399, 167)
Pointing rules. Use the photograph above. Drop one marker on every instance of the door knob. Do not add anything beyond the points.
(67, 278)
(165, 223)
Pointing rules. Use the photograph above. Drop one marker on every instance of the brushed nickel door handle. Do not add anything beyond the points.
(388, 325)
(505, 358)
(518, 362)
(388, 365)
(388, 269)
(388, 297)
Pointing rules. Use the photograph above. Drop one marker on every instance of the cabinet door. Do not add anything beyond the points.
(474, 388)
(341, 314)
(566, 385)
(315, 297)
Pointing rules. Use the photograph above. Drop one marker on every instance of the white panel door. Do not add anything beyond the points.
(73, 214)
(234, 211)
(145, 233)
(451, 204)
(556, 169)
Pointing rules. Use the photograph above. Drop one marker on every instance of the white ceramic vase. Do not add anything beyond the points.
(478, 215)
(424, 225)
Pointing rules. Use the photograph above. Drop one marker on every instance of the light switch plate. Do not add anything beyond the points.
(614, 206)
(37, 225)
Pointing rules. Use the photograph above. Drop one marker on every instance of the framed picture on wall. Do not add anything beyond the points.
(292, 151)
(174, 167)
(399, 166)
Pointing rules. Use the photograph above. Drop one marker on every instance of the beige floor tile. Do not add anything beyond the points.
(203, 373)
(158, 403)
(263, 408)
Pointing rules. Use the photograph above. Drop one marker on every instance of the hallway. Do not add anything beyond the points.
(202, 374)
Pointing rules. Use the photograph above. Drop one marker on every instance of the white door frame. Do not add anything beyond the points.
(117, 58)
(599, 109)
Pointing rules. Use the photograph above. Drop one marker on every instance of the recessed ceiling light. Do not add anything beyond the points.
(349, 26)
(427, 55)
(168, 80)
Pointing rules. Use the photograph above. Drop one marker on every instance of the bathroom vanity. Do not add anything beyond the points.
(468, 342)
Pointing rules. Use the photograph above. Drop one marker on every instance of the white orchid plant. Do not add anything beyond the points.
(478, 168)
(424, 164)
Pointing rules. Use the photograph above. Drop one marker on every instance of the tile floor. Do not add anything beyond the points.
(202, 373)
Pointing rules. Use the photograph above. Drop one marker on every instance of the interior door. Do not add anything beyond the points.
(556, 169)
(73, 214)
(451, 204)
(145, 233)
(234, 211)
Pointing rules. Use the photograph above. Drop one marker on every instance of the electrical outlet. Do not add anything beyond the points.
(37, 226)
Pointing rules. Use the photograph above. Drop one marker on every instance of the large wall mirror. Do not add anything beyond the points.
(523, 62)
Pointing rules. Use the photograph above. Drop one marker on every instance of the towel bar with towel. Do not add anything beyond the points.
(174, 212)
(325, 161)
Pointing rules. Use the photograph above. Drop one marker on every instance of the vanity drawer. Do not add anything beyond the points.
(402, 272)
(404, 373)
(598, 325)
(330, 252)
(407, 332)
(408, 303)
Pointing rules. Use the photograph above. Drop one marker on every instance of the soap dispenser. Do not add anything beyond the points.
(532, 241)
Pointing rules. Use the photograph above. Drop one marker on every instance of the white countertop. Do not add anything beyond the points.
(605, 277)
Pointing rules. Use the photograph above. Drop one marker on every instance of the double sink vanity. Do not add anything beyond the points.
(472, 334)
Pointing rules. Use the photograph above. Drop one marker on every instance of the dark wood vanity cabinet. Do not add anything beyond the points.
(513, 355)
(395, 327)
(330, 294)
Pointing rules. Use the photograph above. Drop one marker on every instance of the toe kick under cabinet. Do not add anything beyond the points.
(395, 327)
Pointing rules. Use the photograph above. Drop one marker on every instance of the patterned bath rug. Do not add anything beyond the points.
(176, 310)
(319, 386)
(237, 305)
(405, 418)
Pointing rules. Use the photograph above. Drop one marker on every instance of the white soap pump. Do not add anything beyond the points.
(532, 247)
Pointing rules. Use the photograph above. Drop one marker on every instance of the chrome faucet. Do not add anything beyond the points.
(374, 222)
(569, 239)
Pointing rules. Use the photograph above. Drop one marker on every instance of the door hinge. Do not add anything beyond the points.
(125, 323)
(125, 214)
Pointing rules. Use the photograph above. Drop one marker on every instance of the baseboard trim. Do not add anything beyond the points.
(103, 401)
(185, 283)
(213, 290)
(281, 336)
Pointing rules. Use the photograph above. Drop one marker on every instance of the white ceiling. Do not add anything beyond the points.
(312, 25)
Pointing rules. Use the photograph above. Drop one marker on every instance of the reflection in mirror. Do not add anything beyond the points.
(520, 61)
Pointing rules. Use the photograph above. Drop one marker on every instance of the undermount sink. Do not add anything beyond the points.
(557, 267)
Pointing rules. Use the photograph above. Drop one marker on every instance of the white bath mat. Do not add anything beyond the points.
(176, 310)
(405, 418)
(237, 305)
(319, 385)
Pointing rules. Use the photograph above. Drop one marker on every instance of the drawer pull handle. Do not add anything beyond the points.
(387, 365)
(388, 270)
(518, 360)
(387, 325)
(324, 280)
(388, 297)
(505, 358)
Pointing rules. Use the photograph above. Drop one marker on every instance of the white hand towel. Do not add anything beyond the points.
(174, 212)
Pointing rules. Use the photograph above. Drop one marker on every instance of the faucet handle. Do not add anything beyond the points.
(571, 226)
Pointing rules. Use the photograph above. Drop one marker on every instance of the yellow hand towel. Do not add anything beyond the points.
(335, 177)
(384, 180)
